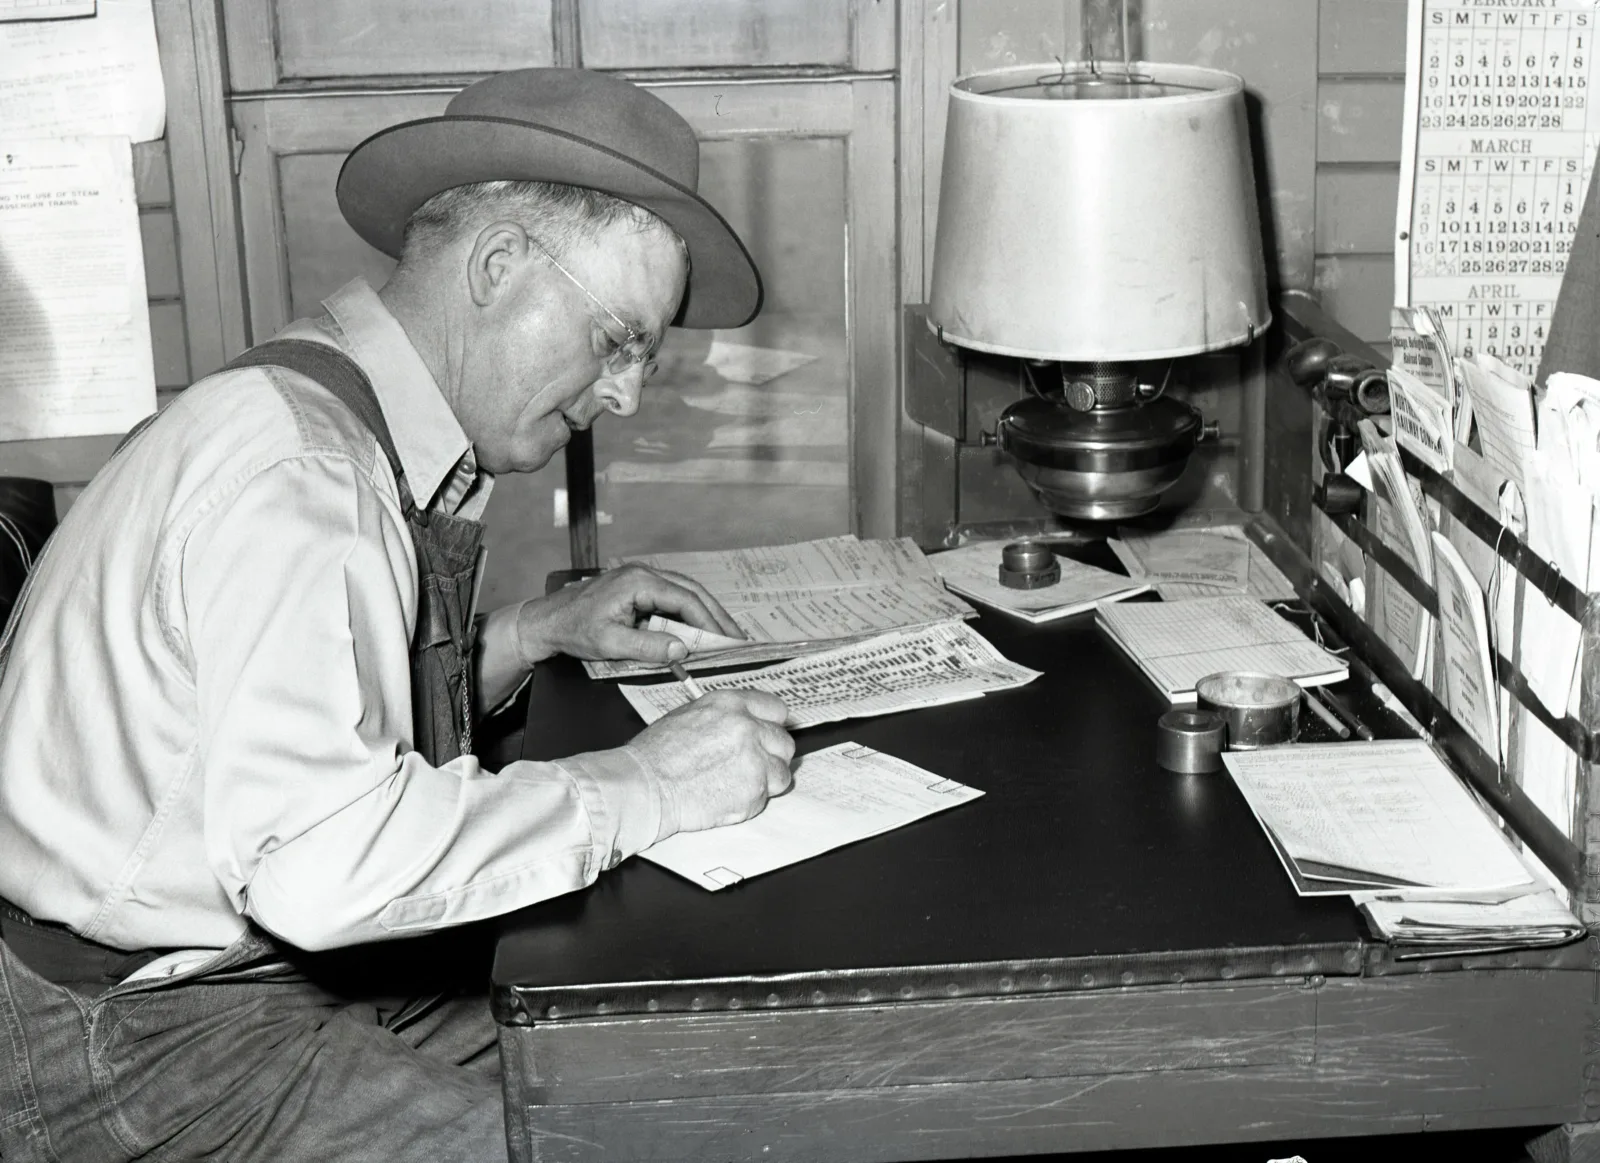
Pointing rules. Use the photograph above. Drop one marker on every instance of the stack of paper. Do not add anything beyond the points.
(1178, 643)
(842, 794)
(1534, 918)
(974, 571)
(1200, 563)
(1388, 824)
(899, 671)
(795, 599)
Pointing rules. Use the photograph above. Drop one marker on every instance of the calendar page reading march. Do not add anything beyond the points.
(1500, 138)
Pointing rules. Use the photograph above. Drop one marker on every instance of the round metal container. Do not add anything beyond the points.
(1028, 565)
(1260, 710)
(1189, 741)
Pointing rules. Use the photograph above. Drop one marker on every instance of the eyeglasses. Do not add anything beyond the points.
(638, 349)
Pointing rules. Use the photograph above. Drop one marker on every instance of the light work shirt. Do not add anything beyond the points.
(206, 715)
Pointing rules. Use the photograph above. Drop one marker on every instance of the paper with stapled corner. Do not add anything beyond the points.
(99, 75)
(841, 794)
(75, 354)
(1469, 686)
(899, 671)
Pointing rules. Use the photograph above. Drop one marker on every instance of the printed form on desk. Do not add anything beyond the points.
(842, 794)
(1349, 817)
(899, 671)
(1178, 643)
(791, 600)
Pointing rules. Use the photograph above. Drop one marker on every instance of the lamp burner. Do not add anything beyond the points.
(1105, 464)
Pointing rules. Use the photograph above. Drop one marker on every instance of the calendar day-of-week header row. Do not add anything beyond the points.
(1492, 162)
(1530, 13)
(1493, 309)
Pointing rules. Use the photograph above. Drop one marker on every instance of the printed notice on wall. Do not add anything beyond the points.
(74, 328)
(1499, 140)
(100, 74)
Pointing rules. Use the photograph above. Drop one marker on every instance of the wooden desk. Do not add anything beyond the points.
(1097, 954)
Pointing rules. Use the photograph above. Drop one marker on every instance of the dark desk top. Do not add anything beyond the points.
(1082, 848)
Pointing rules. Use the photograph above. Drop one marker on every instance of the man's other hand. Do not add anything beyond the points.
(597, 618)
(718, 758)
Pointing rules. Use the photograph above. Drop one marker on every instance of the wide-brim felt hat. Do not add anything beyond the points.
(558, 125)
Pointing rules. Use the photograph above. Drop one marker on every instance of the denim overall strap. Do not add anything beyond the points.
(447, 557)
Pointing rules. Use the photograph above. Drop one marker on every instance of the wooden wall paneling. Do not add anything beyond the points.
(158, 232)
(1362, 36)
(873, 35)
(1355, 208)
(201, 155)
(251, 46)
(1361, 99)
(1359, 119)
(169, 346)
(152, 179)
(1358, 291)
(929, 46)
(928, 64)
(875, 405)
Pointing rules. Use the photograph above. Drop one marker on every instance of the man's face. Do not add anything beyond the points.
(534, 366)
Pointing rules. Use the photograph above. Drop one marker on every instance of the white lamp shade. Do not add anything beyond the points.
(1098, 221)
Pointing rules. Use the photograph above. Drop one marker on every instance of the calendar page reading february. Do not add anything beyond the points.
(1499, 139)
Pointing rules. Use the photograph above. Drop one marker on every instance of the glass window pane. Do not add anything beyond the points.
(714, 460)
(357, 38)
(661, 34)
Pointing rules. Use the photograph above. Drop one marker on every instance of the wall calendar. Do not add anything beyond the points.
(1499, 140)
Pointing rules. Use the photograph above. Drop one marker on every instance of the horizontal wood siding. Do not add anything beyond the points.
(1360, 103)
(69, 463)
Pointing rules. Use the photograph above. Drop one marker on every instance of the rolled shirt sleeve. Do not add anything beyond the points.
(321, 824)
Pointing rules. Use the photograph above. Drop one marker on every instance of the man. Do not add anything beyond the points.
(234, 707)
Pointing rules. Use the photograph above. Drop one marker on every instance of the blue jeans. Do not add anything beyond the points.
(246, 1058)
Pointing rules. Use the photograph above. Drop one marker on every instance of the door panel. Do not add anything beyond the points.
(273, 41)
(655, 34)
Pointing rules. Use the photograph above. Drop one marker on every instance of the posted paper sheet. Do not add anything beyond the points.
(75, 354)
(842, 794)
(900, 671)
(98, 75)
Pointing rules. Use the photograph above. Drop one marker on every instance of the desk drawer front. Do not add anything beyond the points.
(1109, 1032)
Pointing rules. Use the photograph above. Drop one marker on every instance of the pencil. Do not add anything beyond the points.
(1326, 715)
(1342, 709)
(692, 688)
